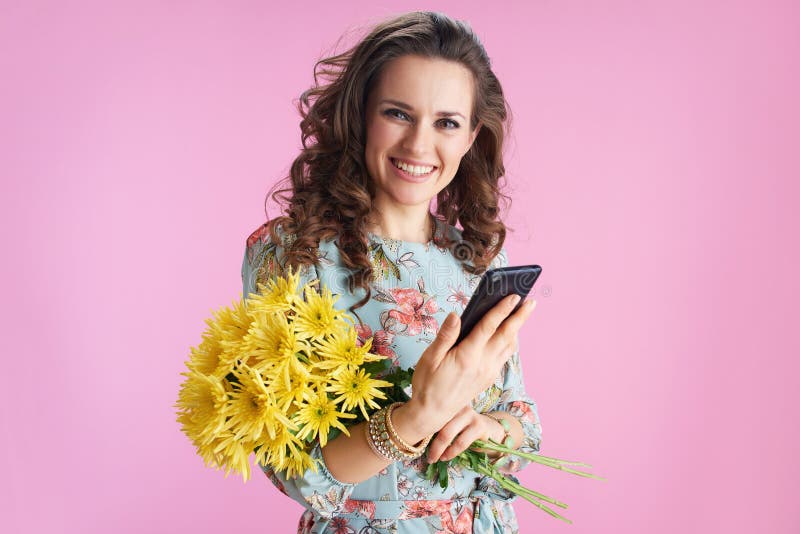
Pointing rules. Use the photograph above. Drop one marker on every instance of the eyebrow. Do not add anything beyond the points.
(405, 106)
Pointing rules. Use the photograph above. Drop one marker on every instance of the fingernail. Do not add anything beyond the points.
(515, 299)
(531, 304)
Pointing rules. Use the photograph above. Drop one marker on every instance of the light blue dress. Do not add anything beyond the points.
(415, 287)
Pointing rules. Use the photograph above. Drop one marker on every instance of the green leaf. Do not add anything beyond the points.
(443, 478)
(377, 367)
(430, 472)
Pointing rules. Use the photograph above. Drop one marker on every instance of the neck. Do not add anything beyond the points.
(415, 226)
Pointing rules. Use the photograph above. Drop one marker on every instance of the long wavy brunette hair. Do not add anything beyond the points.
(330, 192)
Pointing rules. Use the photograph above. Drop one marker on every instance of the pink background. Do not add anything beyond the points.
(654, 170)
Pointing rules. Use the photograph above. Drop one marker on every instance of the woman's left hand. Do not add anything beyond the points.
(460, 432)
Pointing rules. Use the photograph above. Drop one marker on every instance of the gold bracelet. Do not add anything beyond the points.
(381, 440)
(415, 451)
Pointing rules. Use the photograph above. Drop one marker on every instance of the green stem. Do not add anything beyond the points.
(518, 488)
(527, 495)
(555, 463)
(498, 446)
(479, 462)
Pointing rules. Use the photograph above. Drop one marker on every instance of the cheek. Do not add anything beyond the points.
(452, 156)
(453, 151)
(379, 137)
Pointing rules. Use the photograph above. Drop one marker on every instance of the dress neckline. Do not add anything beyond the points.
(437, 230)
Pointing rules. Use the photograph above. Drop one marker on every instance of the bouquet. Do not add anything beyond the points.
(285, 368)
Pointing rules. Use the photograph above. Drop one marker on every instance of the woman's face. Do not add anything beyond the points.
(418, 115)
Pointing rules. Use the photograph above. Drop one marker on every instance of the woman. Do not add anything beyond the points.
(410, 120)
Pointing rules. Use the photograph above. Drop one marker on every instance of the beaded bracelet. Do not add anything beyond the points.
(381, 441)
(381, 437)
(417, 451)
(371, 442)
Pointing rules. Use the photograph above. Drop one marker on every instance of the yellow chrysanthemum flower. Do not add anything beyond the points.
(298, 464)
(206, 452)
(280, 294)
(316, 316)
(317, 416)
(356, 387)
(272, 340)
(232, 454)
(340, 351)
(202, 404)
(230, 328)
(252, 408)
(205, 358)
(291, 381)
(276, 452)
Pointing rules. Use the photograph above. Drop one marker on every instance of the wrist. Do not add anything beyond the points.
(410, 423)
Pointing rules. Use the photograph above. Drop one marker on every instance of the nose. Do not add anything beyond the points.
(418, 140)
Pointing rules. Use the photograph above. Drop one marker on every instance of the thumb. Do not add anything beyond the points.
(448, 333)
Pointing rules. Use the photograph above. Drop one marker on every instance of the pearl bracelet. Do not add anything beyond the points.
(385, 442)
(380, 439)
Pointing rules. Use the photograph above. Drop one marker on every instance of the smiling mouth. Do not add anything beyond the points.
(413, 170)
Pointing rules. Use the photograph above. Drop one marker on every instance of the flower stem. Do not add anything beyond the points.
(527, 494)
(555, 463)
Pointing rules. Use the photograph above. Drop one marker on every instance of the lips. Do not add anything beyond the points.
(412, 162)
(414, 178)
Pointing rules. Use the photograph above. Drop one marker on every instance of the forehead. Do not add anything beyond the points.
(426, 84)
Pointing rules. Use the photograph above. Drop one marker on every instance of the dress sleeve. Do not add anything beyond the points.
(319, 490)
(516, 401)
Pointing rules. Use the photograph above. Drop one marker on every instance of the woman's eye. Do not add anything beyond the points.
(394, 113)
(452, 122)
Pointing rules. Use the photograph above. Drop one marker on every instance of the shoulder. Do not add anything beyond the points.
(260, 241)
(265, 254)
(261, 247)
(261, 237)
(266, 257)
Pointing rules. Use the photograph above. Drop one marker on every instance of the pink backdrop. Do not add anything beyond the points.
(654, 170)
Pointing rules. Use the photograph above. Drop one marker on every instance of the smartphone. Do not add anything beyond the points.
(495, 285)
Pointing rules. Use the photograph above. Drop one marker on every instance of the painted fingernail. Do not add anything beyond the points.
(514, 299)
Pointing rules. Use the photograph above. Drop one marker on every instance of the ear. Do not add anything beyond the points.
(472, 136)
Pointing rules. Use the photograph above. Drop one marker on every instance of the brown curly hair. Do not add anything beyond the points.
(330, 192)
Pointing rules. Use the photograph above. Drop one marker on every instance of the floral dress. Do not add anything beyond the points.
(415, 286)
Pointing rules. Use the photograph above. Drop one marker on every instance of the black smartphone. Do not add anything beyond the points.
(495, 285)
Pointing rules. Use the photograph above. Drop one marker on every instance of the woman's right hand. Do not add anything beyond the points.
(447, 378)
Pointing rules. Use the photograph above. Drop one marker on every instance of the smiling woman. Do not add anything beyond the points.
(410, 115)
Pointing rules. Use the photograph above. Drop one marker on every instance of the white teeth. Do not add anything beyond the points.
(411, 169)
